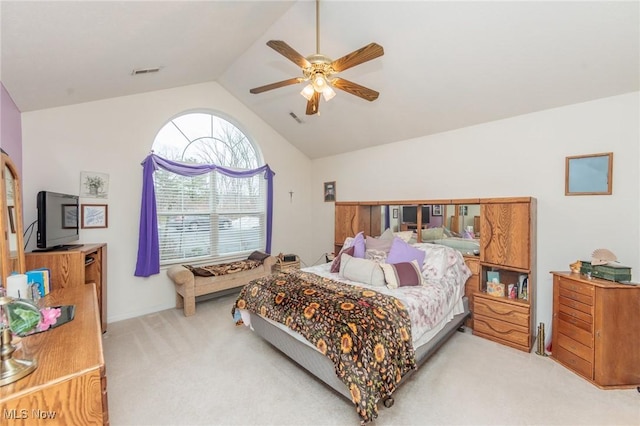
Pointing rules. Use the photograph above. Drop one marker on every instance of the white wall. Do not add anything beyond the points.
(113, 136)
(521, 156)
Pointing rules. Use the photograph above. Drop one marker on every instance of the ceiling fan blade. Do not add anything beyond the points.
(272, 86)
(288, 52)
(364, 54)
(312, 105)
(355, 89)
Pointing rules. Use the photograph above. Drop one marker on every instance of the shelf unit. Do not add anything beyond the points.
(74, 267)
(507, 246)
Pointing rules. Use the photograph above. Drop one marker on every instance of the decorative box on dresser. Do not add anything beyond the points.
(69, 386)
(508, 247)
(69, 268)
(596, 329)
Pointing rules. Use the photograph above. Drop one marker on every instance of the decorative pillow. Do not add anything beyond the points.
(378, 244)
(404, 235)
(361, 270)
(335, 265)
(258, 255)
(387, 235)
(359, 244)
(376, 255)
(403, 252)
(402, 274)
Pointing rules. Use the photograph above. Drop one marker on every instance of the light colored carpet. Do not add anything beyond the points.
(166, 369)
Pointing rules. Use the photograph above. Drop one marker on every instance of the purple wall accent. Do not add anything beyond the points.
(10, 128)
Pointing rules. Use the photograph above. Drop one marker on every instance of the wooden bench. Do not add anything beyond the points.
(189, 286)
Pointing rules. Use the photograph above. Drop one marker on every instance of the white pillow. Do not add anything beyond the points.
(361, 270)
(404, 235)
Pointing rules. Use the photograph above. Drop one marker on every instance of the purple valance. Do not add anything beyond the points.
(148, 262)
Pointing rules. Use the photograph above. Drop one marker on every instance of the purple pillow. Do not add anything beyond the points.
(360, 245)
(335, 265)
(403, 252)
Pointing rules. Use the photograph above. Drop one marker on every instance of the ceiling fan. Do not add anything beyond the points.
(319, 70)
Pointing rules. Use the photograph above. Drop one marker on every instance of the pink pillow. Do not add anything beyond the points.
(403, 252)
(335, 265)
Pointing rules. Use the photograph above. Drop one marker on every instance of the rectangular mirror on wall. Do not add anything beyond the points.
(589, 174)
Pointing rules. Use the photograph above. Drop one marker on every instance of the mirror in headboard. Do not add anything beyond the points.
(11, 243)
(464, 217)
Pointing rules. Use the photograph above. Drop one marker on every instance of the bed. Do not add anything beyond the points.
(360, 338)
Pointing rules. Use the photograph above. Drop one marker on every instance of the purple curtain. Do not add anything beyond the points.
(148, 262)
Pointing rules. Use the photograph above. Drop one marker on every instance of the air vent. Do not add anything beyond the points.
(145, 71)
(295, 117)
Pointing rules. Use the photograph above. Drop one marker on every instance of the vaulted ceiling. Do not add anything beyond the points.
(446, 65)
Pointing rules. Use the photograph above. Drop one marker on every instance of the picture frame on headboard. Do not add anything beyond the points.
(590, 174)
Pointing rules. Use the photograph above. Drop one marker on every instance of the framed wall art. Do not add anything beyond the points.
(437, 210)
(94, 216)
(589, 174)
(329, 191)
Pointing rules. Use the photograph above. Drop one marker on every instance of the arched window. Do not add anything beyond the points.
(211, 216)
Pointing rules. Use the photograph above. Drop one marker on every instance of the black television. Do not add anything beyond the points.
(57, 221)
(410, 214)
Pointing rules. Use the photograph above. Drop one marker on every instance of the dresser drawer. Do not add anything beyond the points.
(574, 295)
(502, 330)
(579, 288)
(491, 307)
(573, 361)
(571, 312)
(580, 334)
(582, 307)
(575, 347)
(586, 326)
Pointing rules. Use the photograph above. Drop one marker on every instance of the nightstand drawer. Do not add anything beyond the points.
(491, 307)
(573, 361)
(500, 329)
(576, 287)
(576, 333)
(473, 265)
(571, 312)
(575, 347)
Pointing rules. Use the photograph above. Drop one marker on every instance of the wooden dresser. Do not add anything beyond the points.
(69, 386)
(596, 329)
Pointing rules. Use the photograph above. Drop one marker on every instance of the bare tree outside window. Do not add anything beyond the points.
(212, 215)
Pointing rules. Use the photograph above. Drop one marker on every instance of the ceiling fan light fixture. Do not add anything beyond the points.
(307, 92)
(328, 93)
(319, 82)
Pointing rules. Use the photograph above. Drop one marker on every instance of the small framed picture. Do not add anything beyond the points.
(395, 213)
(69, 216)
(329, 191)
(589, 174)
(94, 216)
(436, 210)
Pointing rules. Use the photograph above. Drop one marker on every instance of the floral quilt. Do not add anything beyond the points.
(366, 334)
